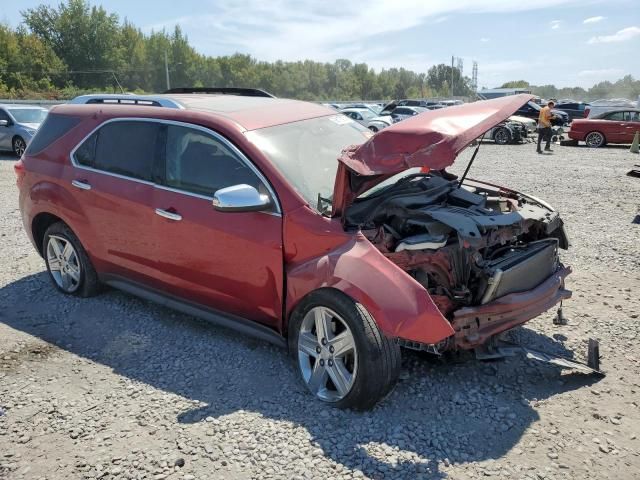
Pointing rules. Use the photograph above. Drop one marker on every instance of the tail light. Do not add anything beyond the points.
(20, 171)
(586, 112)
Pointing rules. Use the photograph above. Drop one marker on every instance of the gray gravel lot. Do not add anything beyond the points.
(115, 387)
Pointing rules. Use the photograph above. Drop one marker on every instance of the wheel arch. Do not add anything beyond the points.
(399, 305)
(39, 225)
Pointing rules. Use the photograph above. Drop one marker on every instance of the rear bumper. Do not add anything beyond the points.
(473, 326)
(573, 135)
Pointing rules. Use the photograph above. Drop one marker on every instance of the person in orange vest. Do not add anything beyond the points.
(544, 126)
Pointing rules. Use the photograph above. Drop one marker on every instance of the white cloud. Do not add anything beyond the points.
(620, 36)
(597, 19)
(484, 39)
(299, 29)
(555, 24)
(602, 73)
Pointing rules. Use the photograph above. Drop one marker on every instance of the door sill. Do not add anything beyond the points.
(226, 320)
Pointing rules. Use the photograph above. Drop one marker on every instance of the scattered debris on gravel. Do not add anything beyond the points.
(114, 387)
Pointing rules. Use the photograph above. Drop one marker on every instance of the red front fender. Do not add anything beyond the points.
(400, 306)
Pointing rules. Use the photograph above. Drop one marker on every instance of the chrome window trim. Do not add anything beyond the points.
(217, 136)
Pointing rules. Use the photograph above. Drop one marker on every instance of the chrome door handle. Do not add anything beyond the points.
(81, 185)
(170, 215)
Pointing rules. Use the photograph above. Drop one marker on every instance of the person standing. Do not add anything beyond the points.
(544, 126)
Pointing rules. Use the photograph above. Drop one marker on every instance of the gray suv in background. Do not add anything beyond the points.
(18, 124)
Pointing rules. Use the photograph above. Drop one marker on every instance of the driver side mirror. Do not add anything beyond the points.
(240, 198)
(4, 123)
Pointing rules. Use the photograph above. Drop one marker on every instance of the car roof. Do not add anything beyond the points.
(608, 112)
(250, 113)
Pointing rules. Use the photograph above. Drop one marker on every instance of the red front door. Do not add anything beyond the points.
(230, 261)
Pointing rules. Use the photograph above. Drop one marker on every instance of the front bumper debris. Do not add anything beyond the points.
(504, 349)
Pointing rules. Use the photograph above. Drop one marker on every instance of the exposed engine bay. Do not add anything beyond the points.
(466, 245)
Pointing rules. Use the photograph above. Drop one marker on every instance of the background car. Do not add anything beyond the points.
(610, 127)
(598, 107)
(397, 115)
(529, 123)
(574, 109)
(532, 110)
(507, 132)
(18, 124)
(361, 115)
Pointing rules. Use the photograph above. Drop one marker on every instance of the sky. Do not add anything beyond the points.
(560, 42)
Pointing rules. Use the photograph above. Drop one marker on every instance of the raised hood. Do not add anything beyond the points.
(431, 139)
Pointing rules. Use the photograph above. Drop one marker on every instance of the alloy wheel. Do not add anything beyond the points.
(327, 354)
(19, 146)
(63, 263)
(594, 139)
(501, 136)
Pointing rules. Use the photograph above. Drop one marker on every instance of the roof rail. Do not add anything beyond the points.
(244, 92)
(126, 99)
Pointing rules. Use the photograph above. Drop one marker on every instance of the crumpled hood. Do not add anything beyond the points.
(431, 139)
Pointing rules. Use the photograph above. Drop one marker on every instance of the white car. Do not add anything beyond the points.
(397, 115)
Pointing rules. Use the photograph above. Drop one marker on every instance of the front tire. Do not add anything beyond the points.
(595, 140)
(341, 355)
(19, 146)
(502, 136)
(68, 264)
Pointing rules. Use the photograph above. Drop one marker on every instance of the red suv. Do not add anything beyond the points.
(288, 221)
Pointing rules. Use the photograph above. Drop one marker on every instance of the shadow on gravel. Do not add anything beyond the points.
(452, 411)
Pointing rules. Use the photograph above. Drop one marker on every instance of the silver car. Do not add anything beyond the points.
(18, 124)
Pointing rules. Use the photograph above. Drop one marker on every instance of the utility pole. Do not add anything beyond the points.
(451, 76)
(166, 69)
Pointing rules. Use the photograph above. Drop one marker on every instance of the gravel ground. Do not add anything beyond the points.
(114, 387)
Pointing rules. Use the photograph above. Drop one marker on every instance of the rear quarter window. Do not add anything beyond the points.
(53, 127)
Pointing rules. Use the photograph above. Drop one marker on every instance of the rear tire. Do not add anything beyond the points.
(68, 264)
(595, 140)
(373, 129)
(371, 366)
(19, 146)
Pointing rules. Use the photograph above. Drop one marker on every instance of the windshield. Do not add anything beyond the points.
(306, 152)
(28, 115)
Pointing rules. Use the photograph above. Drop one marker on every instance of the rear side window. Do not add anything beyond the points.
(125, 148)
(53, 127)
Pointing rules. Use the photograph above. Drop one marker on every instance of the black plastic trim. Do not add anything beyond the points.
(226, 320)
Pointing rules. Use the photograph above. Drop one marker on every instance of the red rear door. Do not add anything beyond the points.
(229, 261)
(113, 180)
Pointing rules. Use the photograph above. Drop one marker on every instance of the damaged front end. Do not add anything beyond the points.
(487, 256)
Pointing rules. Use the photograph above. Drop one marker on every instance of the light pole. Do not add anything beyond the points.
(166, 69)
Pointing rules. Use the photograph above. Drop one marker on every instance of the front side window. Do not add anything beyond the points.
(126, 148)
(4, 116)
(197, 162)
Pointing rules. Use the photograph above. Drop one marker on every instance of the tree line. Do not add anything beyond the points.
(76, 47)
(626, 87)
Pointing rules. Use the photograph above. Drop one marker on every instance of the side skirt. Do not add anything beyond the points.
(226, 320)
